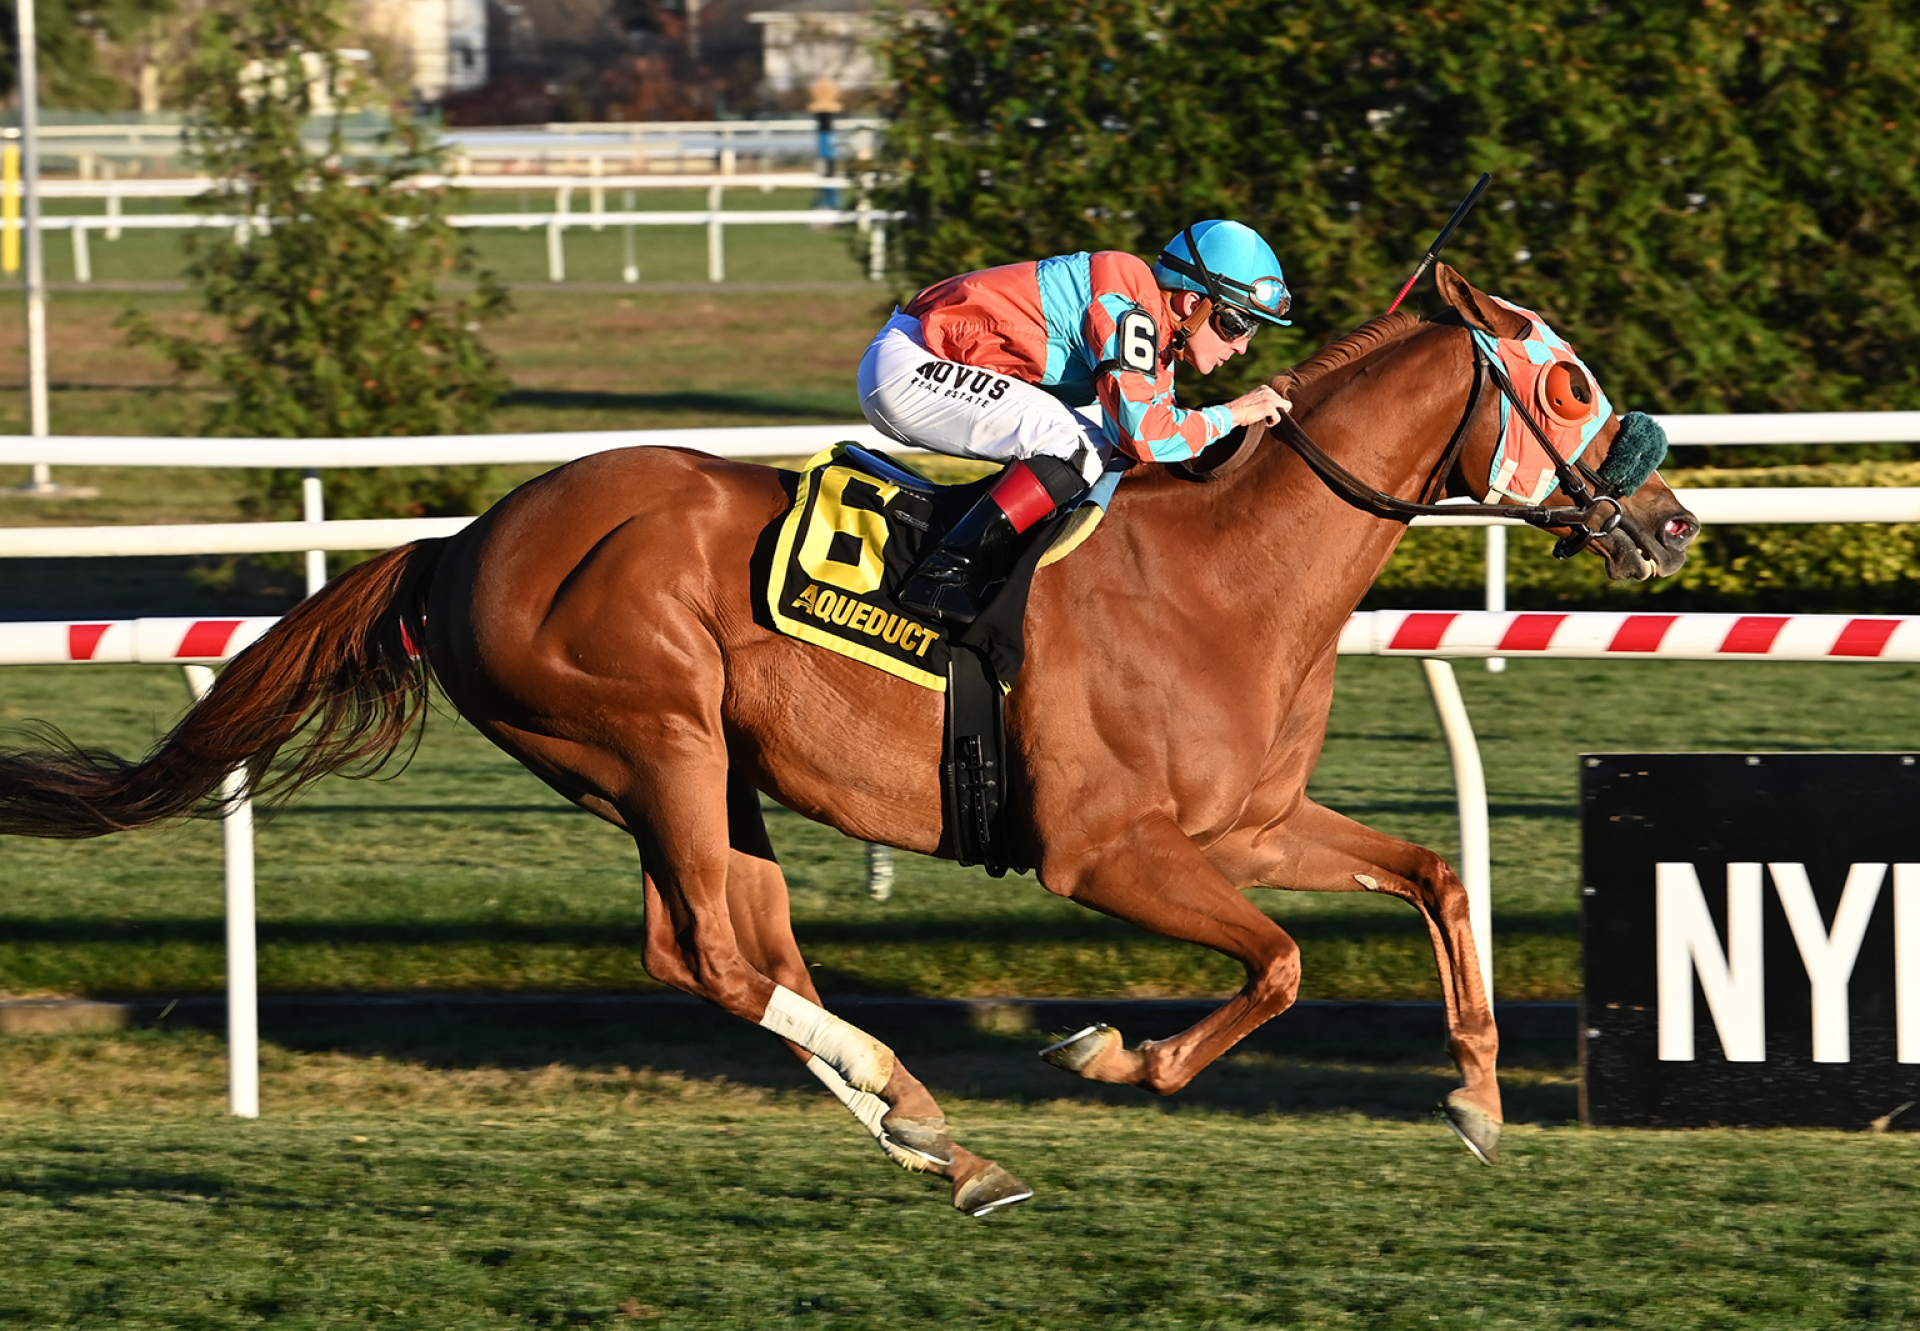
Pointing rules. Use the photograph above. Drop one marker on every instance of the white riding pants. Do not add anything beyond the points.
(913, 396)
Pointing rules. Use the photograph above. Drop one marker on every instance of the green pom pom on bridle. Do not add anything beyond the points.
(1639, 447)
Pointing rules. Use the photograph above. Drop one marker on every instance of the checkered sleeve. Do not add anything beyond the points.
(1142, 418)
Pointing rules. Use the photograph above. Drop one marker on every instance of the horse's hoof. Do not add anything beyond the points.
(1078, 1051)
(988, 1191)
(922, 1137)
(1473, 1126)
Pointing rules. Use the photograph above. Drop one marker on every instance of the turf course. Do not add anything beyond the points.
(681, 1171)
(440, 1191)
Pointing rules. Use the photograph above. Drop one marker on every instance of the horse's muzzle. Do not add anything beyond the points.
(1653, 536)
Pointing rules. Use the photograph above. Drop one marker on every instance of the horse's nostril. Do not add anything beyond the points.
(1678, 528)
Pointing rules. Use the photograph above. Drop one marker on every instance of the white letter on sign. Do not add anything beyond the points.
(1906, 960)
(1733, 981)
(1829, 958)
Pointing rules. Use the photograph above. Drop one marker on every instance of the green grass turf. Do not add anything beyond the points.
(635, 360)
(635, 1182)
(465, 873)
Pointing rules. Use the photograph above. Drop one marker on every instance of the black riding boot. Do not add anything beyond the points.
(951, 583)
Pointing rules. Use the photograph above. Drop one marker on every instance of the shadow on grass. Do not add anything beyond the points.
(957, 1054)
(1016, 930)
(63, 1186)
(1311, 1060)
(128, 587)
(1448, 807)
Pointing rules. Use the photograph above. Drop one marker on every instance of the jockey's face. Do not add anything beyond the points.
(1206, 350)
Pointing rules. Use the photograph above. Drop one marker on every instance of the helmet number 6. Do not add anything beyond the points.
(1139, 342)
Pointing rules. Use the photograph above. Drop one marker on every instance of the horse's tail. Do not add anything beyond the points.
(339, 681)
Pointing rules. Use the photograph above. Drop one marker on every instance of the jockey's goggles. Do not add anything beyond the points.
(1234, 323)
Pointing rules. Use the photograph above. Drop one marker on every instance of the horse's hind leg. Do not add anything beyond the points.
(901, 1115)
(1318, 850)
(914, 1131)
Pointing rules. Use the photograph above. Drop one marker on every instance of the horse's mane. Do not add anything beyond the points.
(1363, 341)
(1311, 381)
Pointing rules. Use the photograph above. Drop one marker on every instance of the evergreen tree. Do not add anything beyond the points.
(71, 35)
(328, 315)
(1716, 200)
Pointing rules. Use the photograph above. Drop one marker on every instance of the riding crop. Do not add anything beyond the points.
(1433, 250)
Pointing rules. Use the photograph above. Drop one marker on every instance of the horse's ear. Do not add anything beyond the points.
(1477, 308)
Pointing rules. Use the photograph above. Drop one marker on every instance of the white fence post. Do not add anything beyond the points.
(1496, 581)
(716, 245)
(1470, 793)
(629, 262)
(243, 971)
(877, 249)
(32, 238)
(82, 257)
(556, 234)
(313, 508)
(879, 871)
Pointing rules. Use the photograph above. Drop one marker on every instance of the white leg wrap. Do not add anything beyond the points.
(869, 1109)
(861, 1060)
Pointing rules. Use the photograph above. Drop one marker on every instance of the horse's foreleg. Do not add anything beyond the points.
(1154, 876)
(1318, 850)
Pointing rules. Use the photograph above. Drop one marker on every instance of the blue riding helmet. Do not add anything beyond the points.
(1230, 264)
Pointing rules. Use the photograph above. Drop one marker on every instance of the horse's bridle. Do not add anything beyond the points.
(1588, 500)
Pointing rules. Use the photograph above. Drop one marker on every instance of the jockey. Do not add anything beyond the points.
(992, 364)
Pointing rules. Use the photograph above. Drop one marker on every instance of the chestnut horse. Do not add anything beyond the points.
(599, 625)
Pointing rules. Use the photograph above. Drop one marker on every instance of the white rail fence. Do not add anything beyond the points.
(715, 219)
(1433, 636)
(104, 149)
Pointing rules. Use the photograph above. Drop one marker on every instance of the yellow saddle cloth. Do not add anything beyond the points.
(851, 538)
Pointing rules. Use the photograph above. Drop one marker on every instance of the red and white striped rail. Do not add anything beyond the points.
(1581, 635)
(1592, 635)
(123, 641)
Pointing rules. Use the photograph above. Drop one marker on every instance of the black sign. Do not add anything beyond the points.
(1751, 927)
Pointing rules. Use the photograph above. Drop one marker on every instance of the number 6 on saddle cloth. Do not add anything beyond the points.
(859, 525)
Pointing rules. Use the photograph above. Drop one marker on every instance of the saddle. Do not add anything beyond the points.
(859, 524)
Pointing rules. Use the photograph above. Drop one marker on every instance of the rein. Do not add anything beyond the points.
(1579, 515)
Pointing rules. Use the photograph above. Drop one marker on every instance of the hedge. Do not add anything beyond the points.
(1716, 200)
